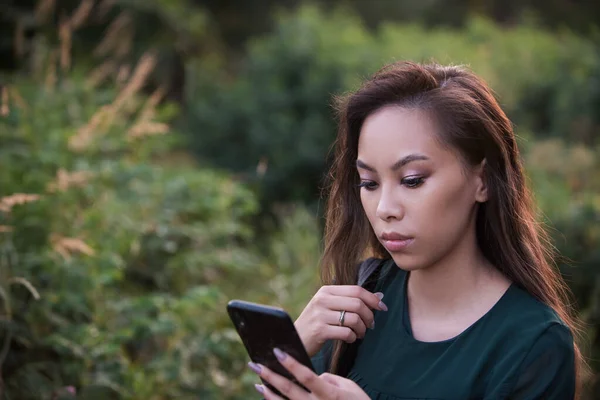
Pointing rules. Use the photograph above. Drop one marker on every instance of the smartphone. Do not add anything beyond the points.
(262, 328)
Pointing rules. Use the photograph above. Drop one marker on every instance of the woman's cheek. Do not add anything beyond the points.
(369, 202)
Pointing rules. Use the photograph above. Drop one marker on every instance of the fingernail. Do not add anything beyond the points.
(382, 306)
(255, 367)
(259, 388)
(379, 295)
(373, 325)
(279, 354)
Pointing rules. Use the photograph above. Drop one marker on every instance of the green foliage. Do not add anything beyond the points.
(276, 110)
(566, 180)
(118, 252)
(542, 79)
(130, 255)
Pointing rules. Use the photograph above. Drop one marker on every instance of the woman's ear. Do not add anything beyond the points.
(481, 193)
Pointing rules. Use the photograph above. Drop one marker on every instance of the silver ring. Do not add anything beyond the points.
(342, 315)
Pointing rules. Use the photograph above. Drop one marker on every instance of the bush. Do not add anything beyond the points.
(116, 261)
(272, 119)
(547, 82)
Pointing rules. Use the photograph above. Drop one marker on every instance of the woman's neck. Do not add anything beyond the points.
(455, 281)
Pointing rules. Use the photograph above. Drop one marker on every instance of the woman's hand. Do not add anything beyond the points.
(324, 387)
(319, 320)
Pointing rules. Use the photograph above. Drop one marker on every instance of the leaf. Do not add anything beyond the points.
(6, 301)
(27, 284)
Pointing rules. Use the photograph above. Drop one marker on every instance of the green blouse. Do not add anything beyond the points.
(520, 349)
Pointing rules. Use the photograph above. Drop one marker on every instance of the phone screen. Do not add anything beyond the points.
(262, 328)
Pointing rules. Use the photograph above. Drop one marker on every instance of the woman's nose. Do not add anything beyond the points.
(389, 206)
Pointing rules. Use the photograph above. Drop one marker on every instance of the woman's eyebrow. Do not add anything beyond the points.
(362, 165)
(397, 165)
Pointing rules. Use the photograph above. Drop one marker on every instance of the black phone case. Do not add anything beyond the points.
(262, 328)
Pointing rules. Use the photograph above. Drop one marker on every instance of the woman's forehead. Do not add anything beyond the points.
(395, 132)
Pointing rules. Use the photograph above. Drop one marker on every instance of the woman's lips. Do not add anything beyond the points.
(393, 245)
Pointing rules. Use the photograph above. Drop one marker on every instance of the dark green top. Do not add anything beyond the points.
(520, 349)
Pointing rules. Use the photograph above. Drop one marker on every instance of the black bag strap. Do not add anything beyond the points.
(367, 268)
(368, 276)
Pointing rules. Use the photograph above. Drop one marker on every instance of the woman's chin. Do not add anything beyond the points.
(408, 263)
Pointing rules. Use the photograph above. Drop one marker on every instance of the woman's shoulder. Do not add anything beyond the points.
(523, 323)
(530, 347)
(523, 309)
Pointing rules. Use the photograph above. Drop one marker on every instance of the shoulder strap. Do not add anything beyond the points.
(367, 268)
(368, 276)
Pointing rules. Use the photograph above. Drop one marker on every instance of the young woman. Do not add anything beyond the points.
(428, 179)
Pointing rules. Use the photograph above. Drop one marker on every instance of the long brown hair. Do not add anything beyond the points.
(473, 122)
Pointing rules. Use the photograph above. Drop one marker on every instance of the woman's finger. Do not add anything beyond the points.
(350, 305)
(351, 320)
(372, 300)
(282, 384)
(305, 376)
(268, 395)
(341, 333)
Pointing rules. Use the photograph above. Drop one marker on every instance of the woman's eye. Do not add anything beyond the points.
(369, 185)
(413, 181)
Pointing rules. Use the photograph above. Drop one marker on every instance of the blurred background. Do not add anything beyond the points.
(161, 157)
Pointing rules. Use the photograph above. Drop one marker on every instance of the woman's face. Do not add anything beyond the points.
(417, 194)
